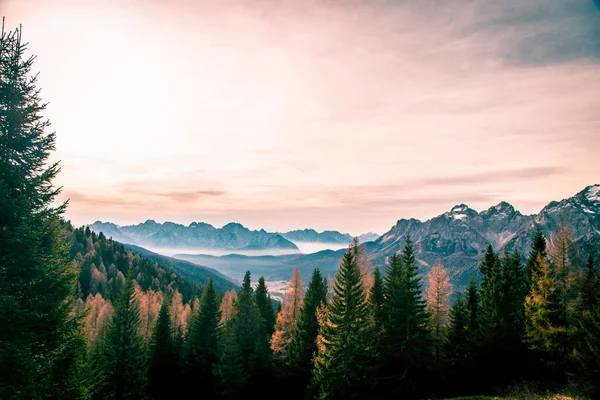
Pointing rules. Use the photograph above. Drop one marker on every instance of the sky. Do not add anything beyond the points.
(292, 114)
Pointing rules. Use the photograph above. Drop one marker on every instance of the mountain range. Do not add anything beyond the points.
(312, 236)
(458, 238)
(197, 235)
(233, 236)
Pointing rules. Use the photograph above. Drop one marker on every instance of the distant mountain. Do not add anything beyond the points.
(458, 238)
(312, 236)
(197, 235)
(368, 237)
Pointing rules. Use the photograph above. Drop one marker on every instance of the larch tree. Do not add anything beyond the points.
(438, 295)
(366, 268)
(227, 307)
(42, 347)
(287, 319)
(345, 362)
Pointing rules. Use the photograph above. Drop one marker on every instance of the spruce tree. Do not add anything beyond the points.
(42, 348)
(344, 364)
(229, 372)
(124, 360)
(163, 362)
(265, 306)
(491, 319)
(457, 348)
(406, 342)
(472, 300)
(538, 247)
(202, 341)
(303, 346)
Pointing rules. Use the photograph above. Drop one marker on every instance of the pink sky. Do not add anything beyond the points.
(291, 114)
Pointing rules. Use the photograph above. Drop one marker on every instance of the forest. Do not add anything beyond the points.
(82, 317)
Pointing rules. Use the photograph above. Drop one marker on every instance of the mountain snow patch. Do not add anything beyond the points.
(593, 194)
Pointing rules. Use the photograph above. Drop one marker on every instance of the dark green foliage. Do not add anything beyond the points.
(41, 344)
(457, 346)
(124, 359)
(250, 334)
(344, 366)
(89, 249)
(376, 300)
(491, 319)
(538, 247)
(303, 346)
(164, 359)
(472, 300)
(406, 340)
(230, 374)
(202, 342)
(587, 333)
(265, 306)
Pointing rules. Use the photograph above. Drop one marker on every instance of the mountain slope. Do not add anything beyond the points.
(198, 235)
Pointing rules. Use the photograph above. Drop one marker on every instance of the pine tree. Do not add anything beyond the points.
(164, 361)
(303, 346)
(202, 342)
(538, 247)
(42, 347)
(265, 306)
(457, 345)
(406, 341)
(124, 360)
(287, 319)
(472, 300)
(345, 359)
(439, 291)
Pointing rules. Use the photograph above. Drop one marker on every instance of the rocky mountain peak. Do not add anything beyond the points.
(592, 193)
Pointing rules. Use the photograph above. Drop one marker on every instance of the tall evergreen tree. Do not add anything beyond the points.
(472, 300)
(376, 300)
(406, 343)
(265, 306)
(42, 348)
(303, 346)
(457, 348)
(587, 338)
(202, 341)
(538, 247)
(492, 297)
(164, 360)
(124, 360)
(345, 359)
(230, 374)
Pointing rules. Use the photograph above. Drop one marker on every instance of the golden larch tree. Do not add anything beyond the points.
(288, 317)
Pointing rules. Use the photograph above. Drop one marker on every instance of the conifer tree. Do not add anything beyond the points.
(164, 361)
(42, 347)
(439, 291)
(490, 315)
(587, 340)
(303, 346)
(229, 372)
(376, 300)
(406, 342)
(227, 307)
(265, 306)
(538, 247)
(124, 360)
(344, 363)
(457, 345)
(472, 300)
(202, 341)
(287, 319)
